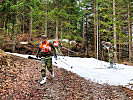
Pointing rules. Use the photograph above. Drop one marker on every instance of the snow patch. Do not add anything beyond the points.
(93, 69)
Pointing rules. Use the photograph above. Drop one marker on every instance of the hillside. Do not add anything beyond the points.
(20, 78)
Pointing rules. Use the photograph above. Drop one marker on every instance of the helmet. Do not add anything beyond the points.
(44, 37)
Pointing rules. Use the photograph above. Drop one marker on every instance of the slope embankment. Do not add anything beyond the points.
(20, 77)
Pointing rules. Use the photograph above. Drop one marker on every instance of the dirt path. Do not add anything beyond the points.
(20, 77)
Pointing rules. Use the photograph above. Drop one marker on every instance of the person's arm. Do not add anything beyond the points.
(53, 49)
(60, 44)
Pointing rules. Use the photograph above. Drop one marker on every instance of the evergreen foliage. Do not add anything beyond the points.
(71, 19)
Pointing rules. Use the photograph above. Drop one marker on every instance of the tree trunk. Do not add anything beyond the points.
(56, 26)
(86, 40)
(95, 30)
(46, 26)
(30, 25)
(100, 52)
(15, 28)
(97, 34)
(57, 20)
(83, 32)
(23, 25)
(120, 43)
(61, 31)
(130, 33)
(46, 21)
(115, 45)
(14, 37)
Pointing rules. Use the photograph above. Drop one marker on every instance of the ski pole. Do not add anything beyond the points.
(63, 57)
(66, 63)
(70, 50)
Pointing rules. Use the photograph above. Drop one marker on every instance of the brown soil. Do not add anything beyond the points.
(20, 77)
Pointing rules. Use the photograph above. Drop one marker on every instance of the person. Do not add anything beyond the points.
(110, 48)
(45, 53)
(57, 46)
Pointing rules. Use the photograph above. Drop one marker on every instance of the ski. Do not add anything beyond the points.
(30, 57)
(114, 67)
(108, 67)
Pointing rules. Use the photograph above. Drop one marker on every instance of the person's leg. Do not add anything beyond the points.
(111, 61)
(43, 67)
(43, 70)
(49, 65)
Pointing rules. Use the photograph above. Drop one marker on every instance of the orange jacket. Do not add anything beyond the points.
(45, 47)
(108, 44)
(56, 43)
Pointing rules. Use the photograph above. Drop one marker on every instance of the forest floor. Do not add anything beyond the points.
(20, 77)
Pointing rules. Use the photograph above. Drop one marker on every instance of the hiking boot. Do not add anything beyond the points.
(43, 80)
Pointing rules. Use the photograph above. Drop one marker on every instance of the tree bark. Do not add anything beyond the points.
(114, 19)
(15, 29)
(95, 31)
(23, 24)
(30, 25)
(100, 51)
(61, 31)
(57, 26)
(57, 20)
(46, 20)
(130, 33)
(83, 35)
(120, 43)
(46, 25)
(14, 37)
